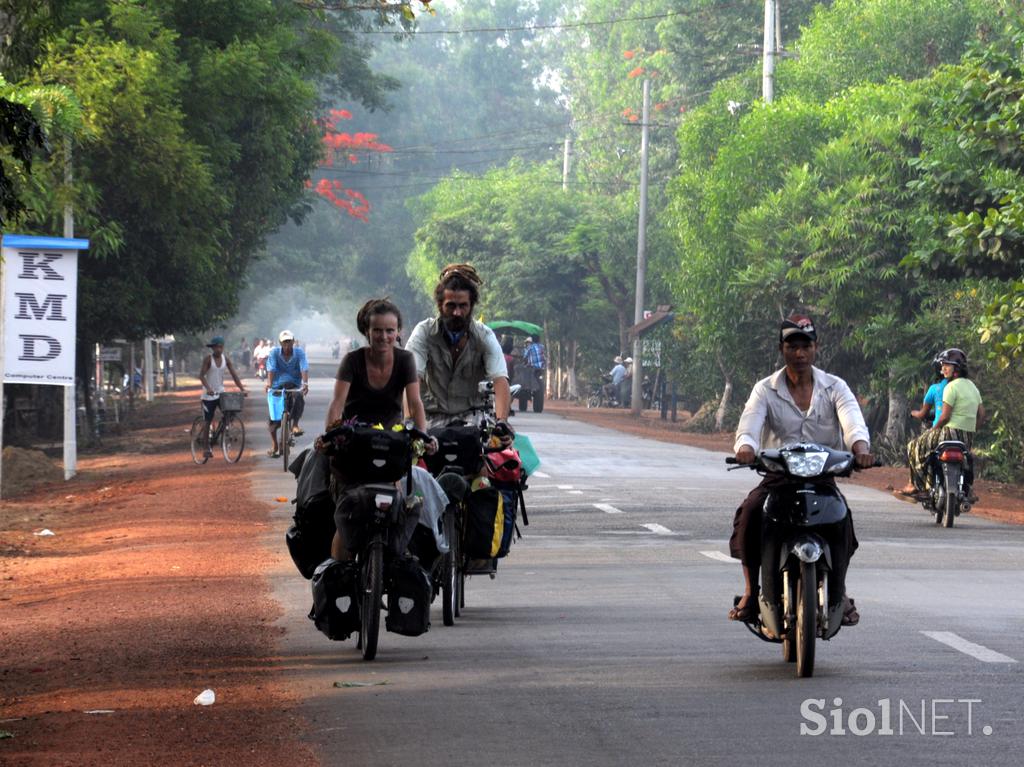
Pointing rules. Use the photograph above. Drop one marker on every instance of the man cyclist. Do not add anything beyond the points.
(454, 353)
(287, 368)
(211, 376)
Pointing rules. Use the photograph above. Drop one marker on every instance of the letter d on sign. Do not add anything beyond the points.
(29, 354)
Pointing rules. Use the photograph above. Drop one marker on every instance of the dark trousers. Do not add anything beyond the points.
(745, 544)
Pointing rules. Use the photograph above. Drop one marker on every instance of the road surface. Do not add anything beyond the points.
(603, 640)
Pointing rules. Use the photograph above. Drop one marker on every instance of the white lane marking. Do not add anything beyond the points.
(657, 529)
(974, 650)
(564, 487)
(608, 508)
(718, 556)
(575, 492)
(541, 474)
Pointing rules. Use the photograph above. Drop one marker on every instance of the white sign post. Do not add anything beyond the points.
(38, 309)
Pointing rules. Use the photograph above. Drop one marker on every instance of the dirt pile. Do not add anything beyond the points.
(24, 469)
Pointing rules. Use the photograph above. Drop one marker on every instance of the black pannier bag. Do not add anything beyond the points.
(409, 595)
(456, 446)
(368, 455)
(309, 538)
(355, 512)
(485, 523)
(335, 606)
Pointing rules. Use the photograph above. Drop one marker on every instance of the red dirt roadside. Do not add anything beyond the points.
(998, 501)
(150, 591)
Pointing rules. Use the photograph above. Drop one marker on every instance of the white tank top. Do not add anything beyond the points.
(215, 377)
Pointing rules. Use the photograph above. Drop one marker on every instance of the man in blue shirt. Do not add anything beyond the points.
(287, 368)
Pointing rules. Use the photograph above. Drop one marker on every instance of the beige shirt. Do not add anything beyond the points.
(771, 417)
(450, 387)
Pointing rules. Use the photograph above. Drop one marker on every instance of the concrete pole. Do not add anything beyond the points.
(70, 392)
(641, 251)
(147, 345)
(566, 155)
(768, 52)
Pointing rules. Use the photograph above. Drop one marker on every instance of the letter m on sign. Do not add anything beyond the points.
(29, 308)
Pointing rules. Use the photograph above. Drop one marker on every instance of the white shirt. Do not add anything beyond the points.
(771, 417)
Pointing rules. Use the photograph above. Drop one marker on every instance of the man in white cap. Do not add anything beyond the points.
(287, 368)
(618, 374)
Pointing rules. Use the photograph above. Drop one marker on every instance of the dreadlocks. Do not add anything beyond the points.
(458, 277)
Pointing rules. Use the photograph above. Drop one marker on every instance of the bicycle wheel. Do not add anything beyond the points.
(286, 434)
(450, 572)
(196, 442)
(232, 440)
(371, 594)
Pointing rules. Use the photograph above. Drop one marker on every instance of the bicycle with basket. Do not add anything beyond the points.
(228, 431)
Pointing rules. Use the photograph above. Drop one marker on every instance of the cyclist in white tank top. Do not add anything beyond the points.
(211, 376)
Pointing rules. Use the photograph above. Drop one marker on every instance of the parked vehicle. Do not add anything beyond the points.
(532, 381)
(951, 468)
(802, 517)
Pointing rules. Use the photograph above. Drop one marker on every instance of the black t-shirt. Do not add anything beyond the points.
(371, 405)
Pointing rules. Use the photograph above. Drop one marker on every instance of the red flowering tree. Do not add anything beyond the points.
(353, 147)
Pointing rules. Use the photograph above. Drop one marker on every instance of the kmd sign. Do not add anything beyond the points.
(40, 292)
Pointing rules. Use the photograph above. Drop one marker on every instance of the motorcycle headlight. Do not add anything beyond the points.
(805, 464)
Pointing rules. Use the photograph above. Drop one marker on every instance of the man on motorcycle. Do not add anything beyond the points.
(962, 413)
(454, 353)
(798, 403)
(613, 389)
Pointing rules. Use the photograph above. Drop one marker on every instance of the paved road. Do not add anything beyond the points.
(603, 640)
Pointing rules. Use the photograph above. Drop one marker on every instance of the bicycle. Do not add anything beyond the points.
(229, 431)
(287, 439)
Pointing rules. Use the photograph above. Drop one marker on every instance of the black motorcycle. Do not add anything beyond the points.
(951, 469)
(604, 394)
(802, 518)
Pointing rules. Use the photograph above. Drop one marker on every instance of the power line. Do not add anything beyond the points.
(562, 25)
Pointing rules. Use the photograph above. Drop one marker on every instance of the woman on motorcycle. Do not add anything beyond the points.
(370, 384)
(962, 413)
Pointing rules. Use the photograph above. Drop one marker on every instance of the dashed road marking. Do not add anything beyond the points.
(608, 508)
(565, 487)
(718, 556)
(541, 474)
(978, 651)
(657, 529)
(575, 492)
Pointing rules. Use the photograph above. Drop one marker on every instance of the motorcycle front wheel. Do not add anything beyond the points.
(371, 596)
(806, 618)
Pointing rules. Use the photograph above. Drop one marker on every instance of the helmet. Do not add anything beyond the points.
(954, 357)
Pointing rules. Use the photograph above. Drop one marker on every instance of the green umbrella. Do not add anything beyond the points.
(527, 328)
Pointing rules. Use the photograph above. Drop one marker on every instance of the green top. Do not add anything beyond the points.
(963, 397)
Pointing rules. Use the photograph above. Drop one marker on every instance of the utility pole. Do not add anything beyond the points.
(769, 50)
(566, 155)
(70, 392)
(641, 251)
